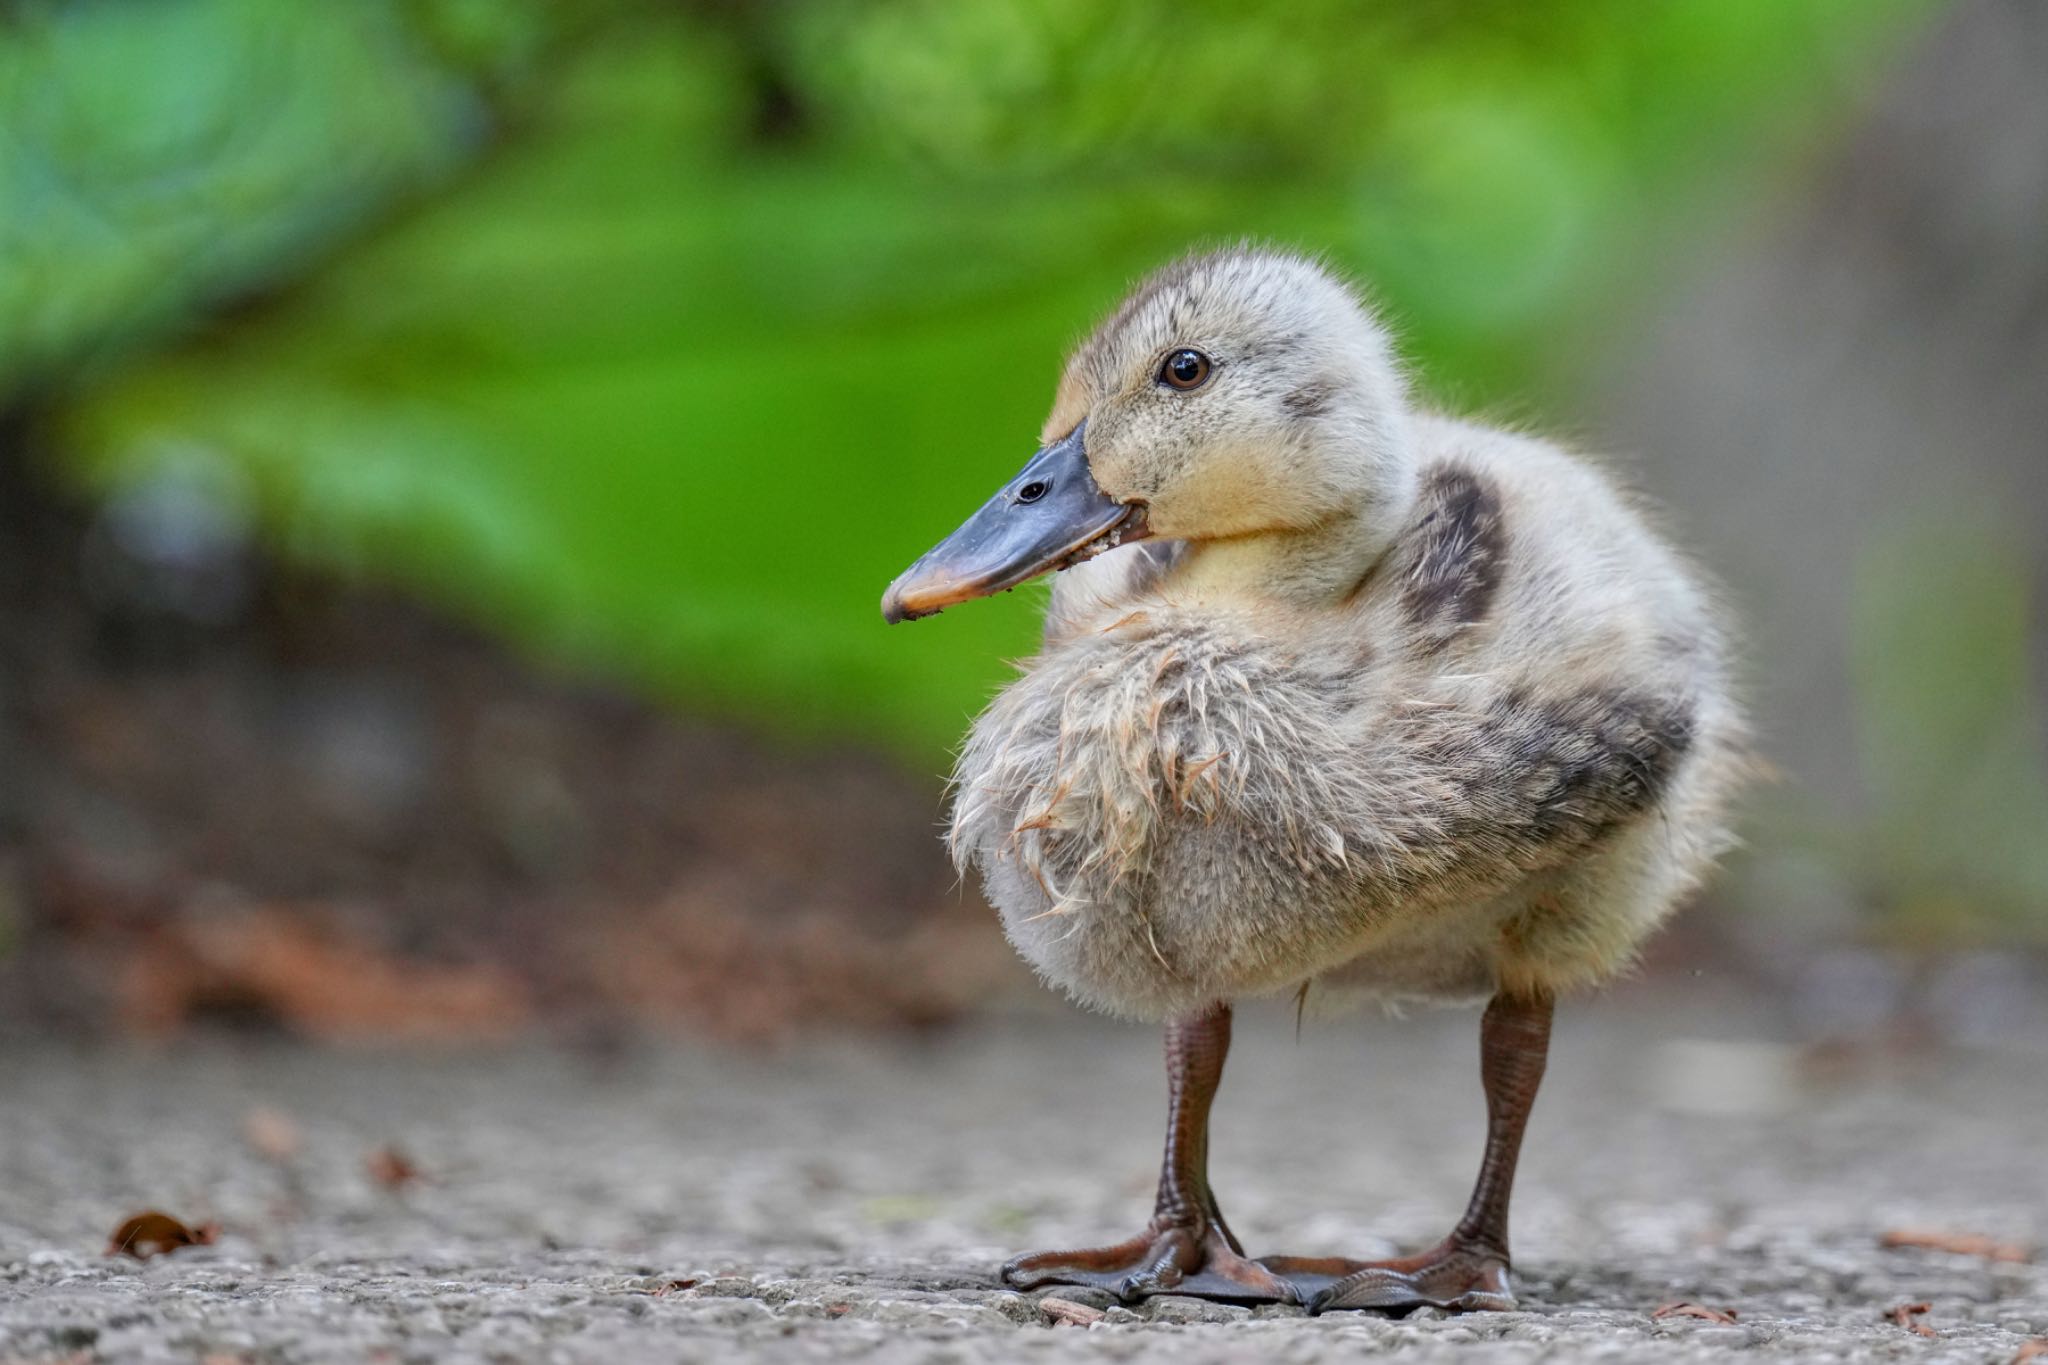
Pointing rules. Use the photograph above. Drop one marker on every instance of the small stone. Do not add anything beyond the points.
(726, 1287)
(1175, 1309)
(1067, 1313)
(1015, 1307)
(899, 1311)
(812, 1308)
(976, 1315)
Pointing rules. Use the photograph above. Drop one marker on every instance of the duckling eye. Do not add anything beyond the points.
(1184, 370)
(1033, 491)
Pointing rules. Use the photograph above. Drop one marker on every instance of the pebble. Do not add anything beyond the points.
(1185, 1310)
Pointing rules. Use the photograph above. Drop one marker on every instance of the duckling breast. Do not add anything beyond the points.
(1153, 810)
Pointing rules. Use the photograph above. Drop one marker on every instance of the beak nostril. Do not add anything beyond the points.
(1000, 546)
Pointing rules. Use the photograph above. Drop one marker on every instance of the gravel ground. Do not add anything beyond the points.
(850, 1200)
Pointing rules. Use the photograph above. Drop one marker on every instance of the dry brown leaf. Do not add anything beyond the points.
(1961, 1243)
(2030, 1350)
(1907, 1315)
(272, 1134)
(155, 1233)
(1067, 1313)
(1685, 1308)
(317, 979)
(392, 1168)
(674, 1287)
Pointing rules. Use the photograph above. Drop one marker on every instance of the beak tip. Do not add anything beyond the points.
(895, 611)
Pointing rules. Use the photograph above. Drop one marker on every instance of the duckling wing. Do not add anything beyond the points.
(1183, 809)
(1518, 780)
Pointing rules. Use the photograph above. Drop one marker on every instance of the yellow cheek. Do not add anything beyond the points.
(1222, 497)
(1117, 471)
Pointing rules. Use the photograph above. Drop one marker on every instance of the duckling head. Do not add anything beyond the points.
(1244, 401)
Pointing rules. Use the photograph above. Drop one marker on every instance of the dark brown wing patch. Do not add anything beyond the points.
(1460, 555)
(1610, 756)
(1534, 781)
(1565, 771)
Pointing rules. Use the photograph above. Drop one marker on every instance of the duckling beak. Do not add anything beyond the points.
(1050, 516)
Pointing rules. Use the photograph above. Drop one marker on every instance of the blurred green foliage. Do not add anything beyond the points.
(666, 333)
(1952, 750)
(158, 158)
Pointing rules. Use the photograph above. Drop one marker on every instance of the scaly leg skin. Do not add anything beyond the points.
(1187, 1248)
(1468, 1270)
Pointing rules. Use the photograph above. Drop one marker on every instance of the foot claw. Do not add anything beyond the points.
(1136, 1286)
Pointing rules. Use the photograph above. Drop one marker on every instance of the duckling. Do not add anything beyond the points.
(1336, 695)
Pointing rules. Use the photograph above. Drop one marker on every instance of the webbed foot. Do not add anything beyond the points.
(1167, 1258)
(1457, 1276)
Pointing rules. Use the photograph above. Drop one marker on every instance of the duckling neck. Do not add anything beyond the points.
(1307, 567)
(1312, 567)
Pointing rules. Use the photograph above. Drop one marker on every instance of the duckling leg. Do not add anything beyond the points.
(1186, 1248)
(1468, 1270)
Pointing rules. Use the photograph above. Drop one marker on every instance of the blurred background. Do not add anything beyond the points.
(451, 452)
